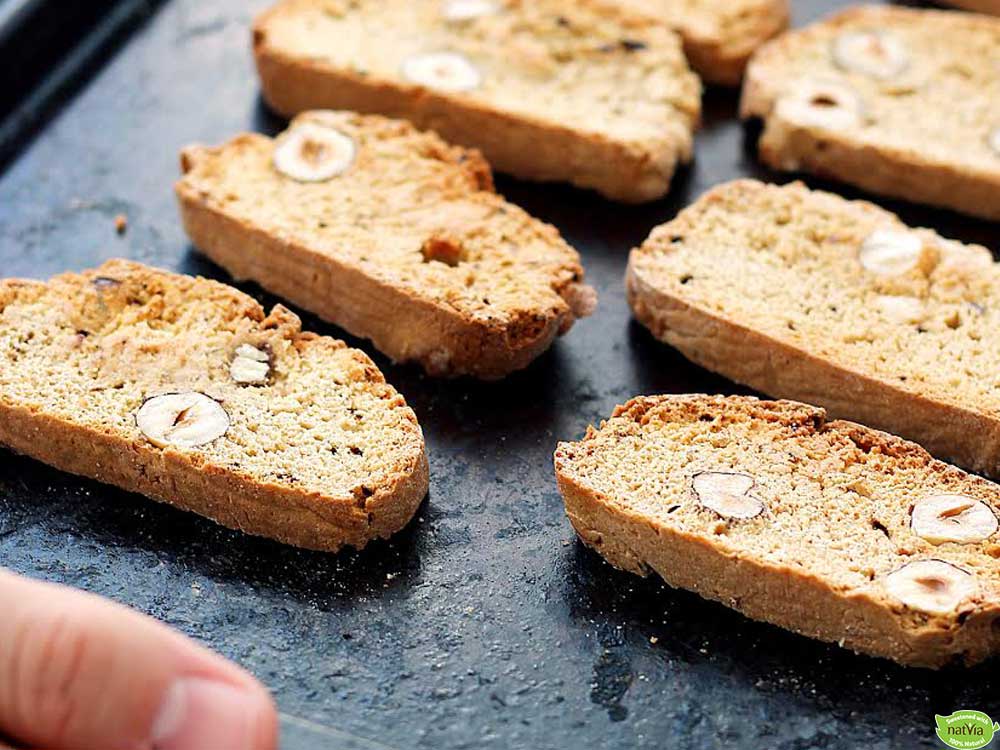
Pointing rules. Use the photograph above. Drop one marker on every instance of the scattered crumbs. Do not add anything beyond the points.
(121, 223)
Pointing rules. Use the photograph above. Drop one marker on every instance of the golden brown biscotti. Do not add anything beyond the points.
(719, 37)
(829, 529)
(898, 101)
(979, 6)
(184, 390)
(548, 90)
(407, 245)
(802, 294)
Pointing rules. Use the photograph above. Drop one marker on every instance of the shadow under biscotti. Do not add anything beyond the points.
(80, 527)
(721, 650)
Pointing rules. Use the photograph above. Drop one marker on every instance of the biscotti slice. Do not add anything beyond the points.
(898, 101)
(829, 529)
(979, 6)
(184, 390)
(802, 294)
(719, 37)
(549, 90)
(391, 234)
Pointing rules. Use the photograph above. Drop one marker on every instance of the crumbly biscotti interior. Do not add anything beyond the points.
(411, 212)
(835, 500)
(845, 281)
(921, 84)
(582, 65)
(88, 350)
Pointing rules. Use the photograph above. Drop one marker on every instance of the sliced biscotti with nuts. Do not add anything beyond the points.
(718, 37)
(829, 529)
(898, 101)
(548, 90)
(802, 294)
(390, 233)
(184, 390)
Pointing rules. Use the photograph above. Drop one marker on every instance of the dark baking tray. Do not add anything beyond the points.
(484, 624)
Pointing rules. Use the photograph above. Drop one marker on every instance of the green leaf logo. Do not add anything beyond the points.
(966, 730)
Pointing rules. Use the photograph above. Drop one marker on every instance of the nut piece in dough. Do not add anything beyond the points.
(727, 493)
(461, 11)
(878, 54)
(931, 586)
(953, 518)
(889, 252)
(313, 153)
(821, 104)
(250, 365)
(185, 419)
(442, 71)
(899, 308)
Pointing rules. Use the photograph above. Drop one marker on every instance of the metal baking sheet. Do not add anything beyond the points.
(484, 624)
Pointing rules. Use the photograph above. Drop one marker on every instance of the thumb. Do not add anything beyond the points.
(80, 672)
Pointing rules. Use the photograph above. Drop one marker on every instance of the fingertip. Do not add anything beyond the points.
(268, 729)
(202, 714)
(112, 677)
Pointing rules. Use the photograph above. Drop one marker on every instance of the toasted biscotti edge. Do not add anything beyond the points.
(228, 497)
(781, 595)
(970, 439)
(894, 172)
(520, 146)
(718, 55)
(722, 60)
(404, 327)
(979, 6)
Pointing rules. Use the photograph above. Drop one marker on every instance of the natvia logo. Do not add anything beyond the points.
(966, 730)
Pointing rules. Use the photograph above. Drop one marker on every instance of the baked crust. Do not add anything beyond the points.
(905, 144)
(351, 250)
(719, 38)
(979, 6)
(815, 586)
(90, 349)
(626, 102)
(779, 348)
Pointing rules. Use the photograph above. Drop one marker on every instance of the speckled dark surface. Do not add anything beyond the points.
(484, 624)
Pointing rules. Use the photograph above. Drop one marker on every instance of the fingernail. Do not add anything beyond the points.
(199, 714)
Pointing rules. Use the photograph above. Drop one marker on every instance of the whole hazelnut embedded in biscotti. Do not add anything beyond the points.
(890, 252)
(460, 11)
(310, 152)
(879, 54)
(931, 586)
(448, 72)
(829, 105)
(186, 419)
(953, 518)
(727, 493)
(250, 365)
